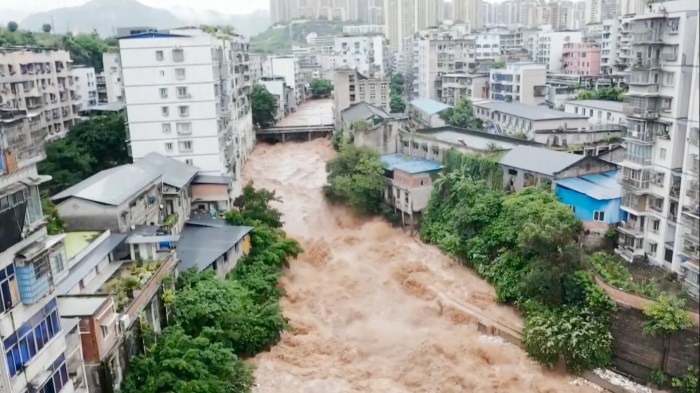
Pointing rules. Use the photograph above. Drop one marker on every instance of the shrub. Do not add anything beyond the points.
(688, 383)
(658, 377)
(666, 316)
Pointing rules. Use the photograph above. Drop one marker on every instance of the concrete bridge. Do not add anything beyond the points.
(294, 133)
(312, 119)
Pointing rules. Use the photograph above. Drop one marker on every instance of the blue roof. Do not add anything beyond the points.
(429, 106)
(409, 164)
(600, 186)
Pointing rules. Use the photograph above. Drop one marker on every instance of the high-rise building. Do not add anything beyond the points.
(524, 82)
(659, 173)
(594, 10)
(114, 86)
(350, 87)
(550, 45)
(608, 9)
(631, 7)
(400, 22)
(187, 94)
(428, 13)
(366, 54)
(85, 86)
(467, 11)
(280, 10)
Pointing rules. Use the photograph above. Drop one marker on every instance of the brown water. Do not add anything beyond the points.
(372, 309)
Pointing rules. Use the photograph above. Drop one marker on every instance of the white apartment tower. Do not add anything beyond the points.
(519, 82)
(114, 87)
(400, 22)
(659, 173)
(468, 11)
(367, 54)
(187, 98)
(85, 86)
(594, 8)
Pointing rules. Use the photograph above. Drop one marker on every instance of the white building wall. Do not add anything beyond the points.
(86, 87)
(113, 77)
(550, 47)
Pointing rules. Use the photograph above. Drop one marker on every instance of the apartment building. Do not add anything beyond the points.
(38, 82)
(187, 94)
(354, 30)
(277, 86)
(660, 158)
(488, 46)
(598, 111)
(519, 82)
(351, 87)
(594, 9)
(429, 13)
(366, 54)
(288, 67)
(581, 59)
(85, 86)
(467, 11)
(549, 47)
(33, 344)
(458, 86)
(113, 84)
(400, 22)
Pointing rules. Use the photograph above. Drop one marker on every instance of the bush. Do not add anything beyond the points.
(666, 316)
(356, 179)
(687, 384)
(658, 377)
(613, 272)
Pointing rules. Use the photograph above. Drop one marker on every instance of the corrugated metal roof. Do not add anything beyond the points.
(530, 112)
(538, 160)
(361, 111)
(200, 246)
(409, 164)
(429, 106)
(212, 179)
(112, 186)
(614, 106)
(175, 173)
(600, 187)
(89, 262)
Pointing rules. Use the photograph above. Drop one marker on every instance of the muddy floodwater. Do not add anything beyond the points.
(372, 309)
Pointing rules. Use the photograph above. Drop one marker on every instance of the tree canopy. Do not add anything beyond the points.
(462, 115)
(396, 89)
(12, 26)
(264, 106)
(46, 28)
(356, 178)
(603, 93)
(321, 87)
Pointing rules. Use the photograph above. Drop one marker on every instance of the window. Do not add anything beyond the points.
(184, 128)
(185, 146)
(159, 55)
(179, 73)
(668, 78)
(8, 288)
(168, 146)
(23, 345)
(165, 111)
(655, 225)
(163, 92)
(666, 104)
(166, 128)
(183, 110)
(598, 216)
(105, 330)
(652, 248)
(189, 161)
(182, 92)
(178, 55)
(161, 73)
(662, 153)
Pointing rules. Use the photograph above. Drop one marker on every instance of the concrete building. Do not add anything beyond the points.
(581, 59)
(114, 86)
(355, 30)
(631, 7)
(661, 85)
(280, 11)
(594, 9)
(458, 86)
(488, 46)
(467, 11)
(187, 95)
(38, 83)
(277, 86)
(549, 47)
(351, 87)
(519, 82)
(427, 113)
(399, 22)
(598, 111)
(429, 13)
(85, 86)
(288, 67)
(366, 54)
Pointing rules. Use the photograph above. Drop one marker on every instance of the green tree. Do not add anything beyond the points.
(356, 178)
(46, 28)
(462, 115)
(225, 311)
(264, 106)
(396, 103)
(321, 87)
(666, 316)
(396, 88)
(85, 49)
(67, 163)
(254, 207)
(181, 363)
(54, 224)
(12, 26)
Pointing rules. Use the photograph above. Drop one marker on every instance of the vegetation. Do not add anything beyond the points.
(279, 39)
(321, 87)
(462, 115)
(666, 316)
(54, 224)
(688, 383)
(12, 26)
(603, 93)
(526, 246)
(616, 274)
(396, 102)
(356, 179)
(264, 106)
(498, 65)
(130, 280)
(217, 321)
(89, 147)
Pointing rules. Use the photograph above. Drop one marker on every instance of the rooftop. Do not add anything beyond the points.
(614, 106)
(362, 111)
(539, 160)
(471, 139)
(111, 107)
(212, 179)
(409, 164)
(175, 173)
(82, 268)
(81, 305)
(429, 106)
(601, 187)
(530, 112)
(112, 186)
(76, 242)
(200, 246)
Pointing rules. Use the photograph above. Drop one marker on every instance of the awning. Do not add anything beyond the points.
(35, 181)
(36, 248)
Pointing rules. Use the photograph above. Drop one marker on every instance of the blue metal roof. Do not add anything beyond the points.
(429, 106)
(409, 164)
(600, 186)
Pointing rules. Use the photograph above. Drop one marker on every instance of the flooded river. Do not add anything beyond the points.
(370, 308)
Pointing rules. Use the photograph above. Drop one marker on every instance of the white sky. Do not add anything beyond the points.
(224, 6)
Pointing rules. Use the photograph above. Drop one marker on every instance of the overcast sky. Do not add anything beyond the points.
(225, 6)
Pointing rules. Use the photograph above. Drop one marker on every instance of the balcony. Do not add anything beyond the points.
(643, 161)
(643, 89)
(693, 163)
(633, 228)
(635, 204)
(645, 135)
(645, 113)
(634, 184)
(645, 64)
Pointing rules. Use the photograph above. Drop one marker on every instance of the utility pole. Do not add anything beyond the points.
(53, 28)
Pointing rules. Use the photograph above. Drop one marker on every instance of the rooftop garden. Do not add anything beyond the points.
(127, 282)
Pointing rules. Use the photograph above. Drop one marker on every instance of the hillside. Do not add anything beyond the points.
(280, 38)
(248, 24)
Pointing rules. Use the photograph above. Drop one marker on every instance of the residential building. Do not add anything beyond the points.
(549, 47)
(519, 82)
(281, 11)
(351, 87)
(528, 166)
(488, 46)
(288, 67)
(410, 186)
(631, 7)
(594, 9)
(458, 86)
(32, 263)
(372, 127)
(663, 41)
(187, 94)
(38, 83)
(427, 113)
(355, 30)
(114, 86)
(212, 193)
(581, 59)
(467, 11)
(277, 86)
(598, 111)
(366, 54)
(594, 199)
(400, 22)
(429, 13)
(85, 86)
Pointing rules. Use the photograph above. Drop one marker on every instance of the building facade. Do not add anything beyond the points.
(114, 86)
(519, 82)
(549, 47)
(366, 54)
(85, 86)
(581, 59)
(351, 87)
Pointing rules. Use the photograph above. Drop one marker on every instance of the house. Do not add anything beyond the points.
(209, 242)
(372, 127)
(115, 199)
(598, 111)
(176, 191)
(211, 193)
(615, 155)
(528, 166)
(410, 185)
(595, 199)
(427, 113)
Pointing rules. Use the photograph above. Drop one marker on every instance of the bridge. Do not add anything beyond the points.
(313, 119)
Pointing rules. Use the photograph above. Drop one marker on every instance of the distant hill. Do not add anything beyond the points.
(102, 15)
(279, 39)
(248, 24)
